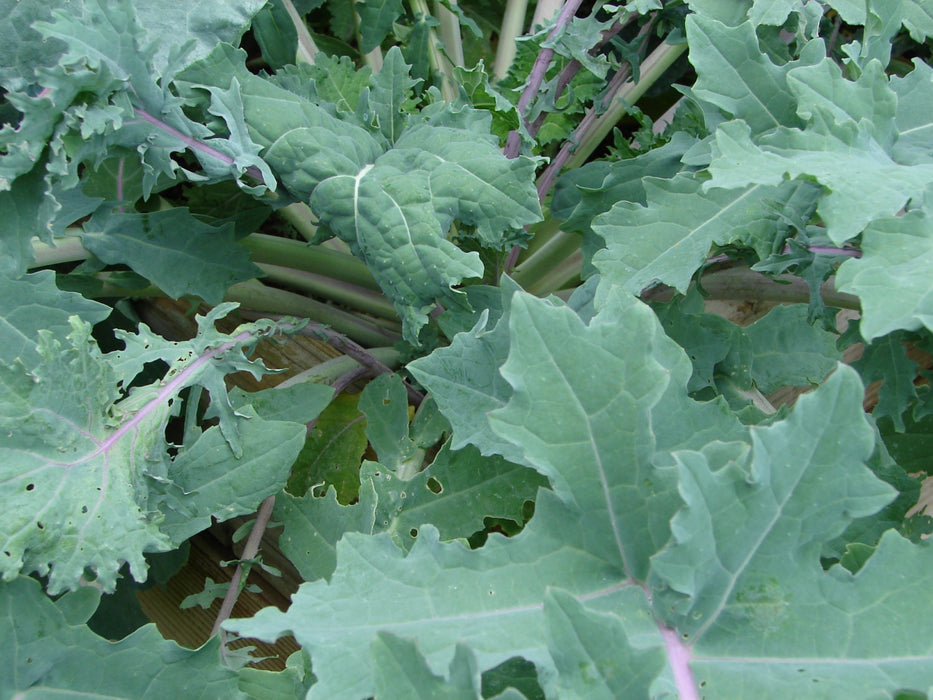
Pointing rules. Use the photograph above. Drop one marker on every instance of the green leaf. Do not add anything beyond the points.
(299, 403)
(401, 671)
(582, 194)
(592, 652)
(391, 89)
(736, 76)
(198, 28)
(883, 21)
(717, 347)
(670, 237)
(384, 402)
(51, 653)
(746, 521)
(454, 494)
(172, 249)
(886, 359)
(215, 488)
(376, 20)
(33, 303)
(332, 452)
(823, 95)
(891, 278)
(851, 621)
(589, 432)
(87, 465)
(788, 350)
(913, 115)
(864, 182)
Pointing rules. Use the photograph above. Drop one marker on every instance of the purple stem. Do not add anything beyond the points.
(538, 71)
(250, 550)
(194, 143)
(678, 655)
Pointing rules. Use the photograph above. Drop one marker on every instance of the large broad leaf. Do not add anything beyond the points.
(892, 277)
(863, 180)
(174, 250)
(390, 191)
(725, 535)
(670, 237)
(86, 466)
(50, 652)
(736, 76)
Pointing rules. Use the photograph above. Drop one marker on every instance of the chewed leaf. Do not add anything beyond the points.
(86, 467)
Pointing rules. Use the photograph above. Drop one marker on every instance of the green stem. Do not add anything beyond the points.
(513, 25)
(66, 249)
(627, 95)
(553, 264)
(332, 370)
(439, 64)
(274, 250)
(258, 297)
(450, 33)
(365, 300)
(307, 49)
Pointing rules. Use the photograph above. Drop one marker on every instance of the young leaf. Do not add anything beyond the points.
(332, 451)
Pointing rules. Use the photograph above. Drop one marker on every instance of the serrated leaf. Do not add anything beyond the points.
(51, 653)
(670, 237)
(736, 76)
(788, 350)
(390, 89)
(33, 303)
(892, 277)
(883, 20)
(767, 512)
(864, 182)
(86, 464)
(215, 488)
(850, 619)
(585, 192)
(393, 207)
(174, 250)
(824, 95)
(473, 595)
(717, 348)
(199, 28)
